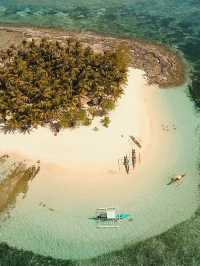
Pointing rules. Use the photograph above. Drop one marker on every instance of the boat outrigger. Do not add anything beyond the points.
(176, 179)
(108, 217)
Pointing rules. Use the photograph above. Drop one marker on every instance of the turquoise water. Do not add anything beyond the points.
(173, 22)
(65, 231)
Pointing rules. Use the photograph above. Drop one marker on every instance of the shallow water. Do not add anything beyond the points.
(173, 22)
(61, 228)
(170, 21)
(67, 232)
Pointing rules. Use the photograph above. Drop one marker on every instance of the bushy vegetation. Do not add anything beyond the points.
(105, 121)
(60, 84)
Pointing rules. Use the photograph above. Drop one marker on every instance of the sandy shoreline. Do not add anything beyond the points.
(79, 173)
(84, 146)
(82, 169)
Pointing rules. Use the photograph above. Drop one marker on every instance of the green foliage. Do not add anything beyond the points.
(105, 121)
(108, 104)
(53, 83)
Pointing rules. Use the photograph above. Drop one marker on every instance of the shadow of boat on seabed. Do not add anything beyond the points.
(15, 181)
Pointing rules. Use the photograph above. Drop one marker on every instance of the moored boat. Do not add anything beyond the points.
(108, 217)
(133, 157)
(136, 141)
(176, 179)
(126, 163)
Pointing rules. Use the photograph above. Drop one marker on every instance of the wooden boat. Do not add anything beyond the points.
(105, 214)
(133, 158)
(176, 179)
(108, 217)
(126, 163)
(136, 141)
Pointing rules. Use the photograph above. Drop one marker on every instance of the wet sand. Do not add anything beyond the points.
(80, 172)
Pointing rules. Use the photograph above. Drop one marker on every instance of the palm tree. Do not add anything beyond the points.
(45, 81)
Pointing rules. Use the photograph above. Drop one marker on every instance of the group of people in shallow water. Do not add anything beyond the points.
(168, 127)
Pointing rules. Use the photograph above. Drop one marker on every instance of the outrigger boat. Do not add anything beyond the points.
(136, 141)
(176, 179)
(126, 163)
(133, 158)
(108, 217)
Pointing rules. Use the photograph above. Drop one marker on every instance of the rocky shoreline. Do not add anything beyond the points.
(162, 66)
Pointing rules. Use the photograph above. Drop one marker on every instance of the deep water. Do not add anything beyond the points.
(173, 22)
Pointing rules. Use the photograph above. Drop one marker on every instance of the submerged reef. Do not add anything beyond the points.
(162, 65)
(178, 246)
(12, 256)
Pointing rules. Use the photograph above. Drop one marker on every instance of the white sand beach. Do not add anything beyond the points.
(80, 172)
(83, 149)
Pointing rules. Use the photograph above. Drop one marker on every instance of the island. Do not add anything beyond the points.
(64, 80)
(104, 99)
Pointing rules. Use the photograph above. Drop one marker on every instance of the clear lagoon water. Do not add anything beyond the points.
(52, 218)
(173, 22)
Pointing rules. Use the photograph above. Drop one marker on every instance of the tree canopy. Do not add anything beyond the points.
(59, 84)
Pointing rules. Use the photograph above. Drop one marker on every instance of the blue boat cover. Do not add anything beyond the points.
(123, 216)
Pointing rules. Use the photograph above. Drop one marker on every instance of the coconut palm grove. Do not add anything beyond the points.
(59, 84)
